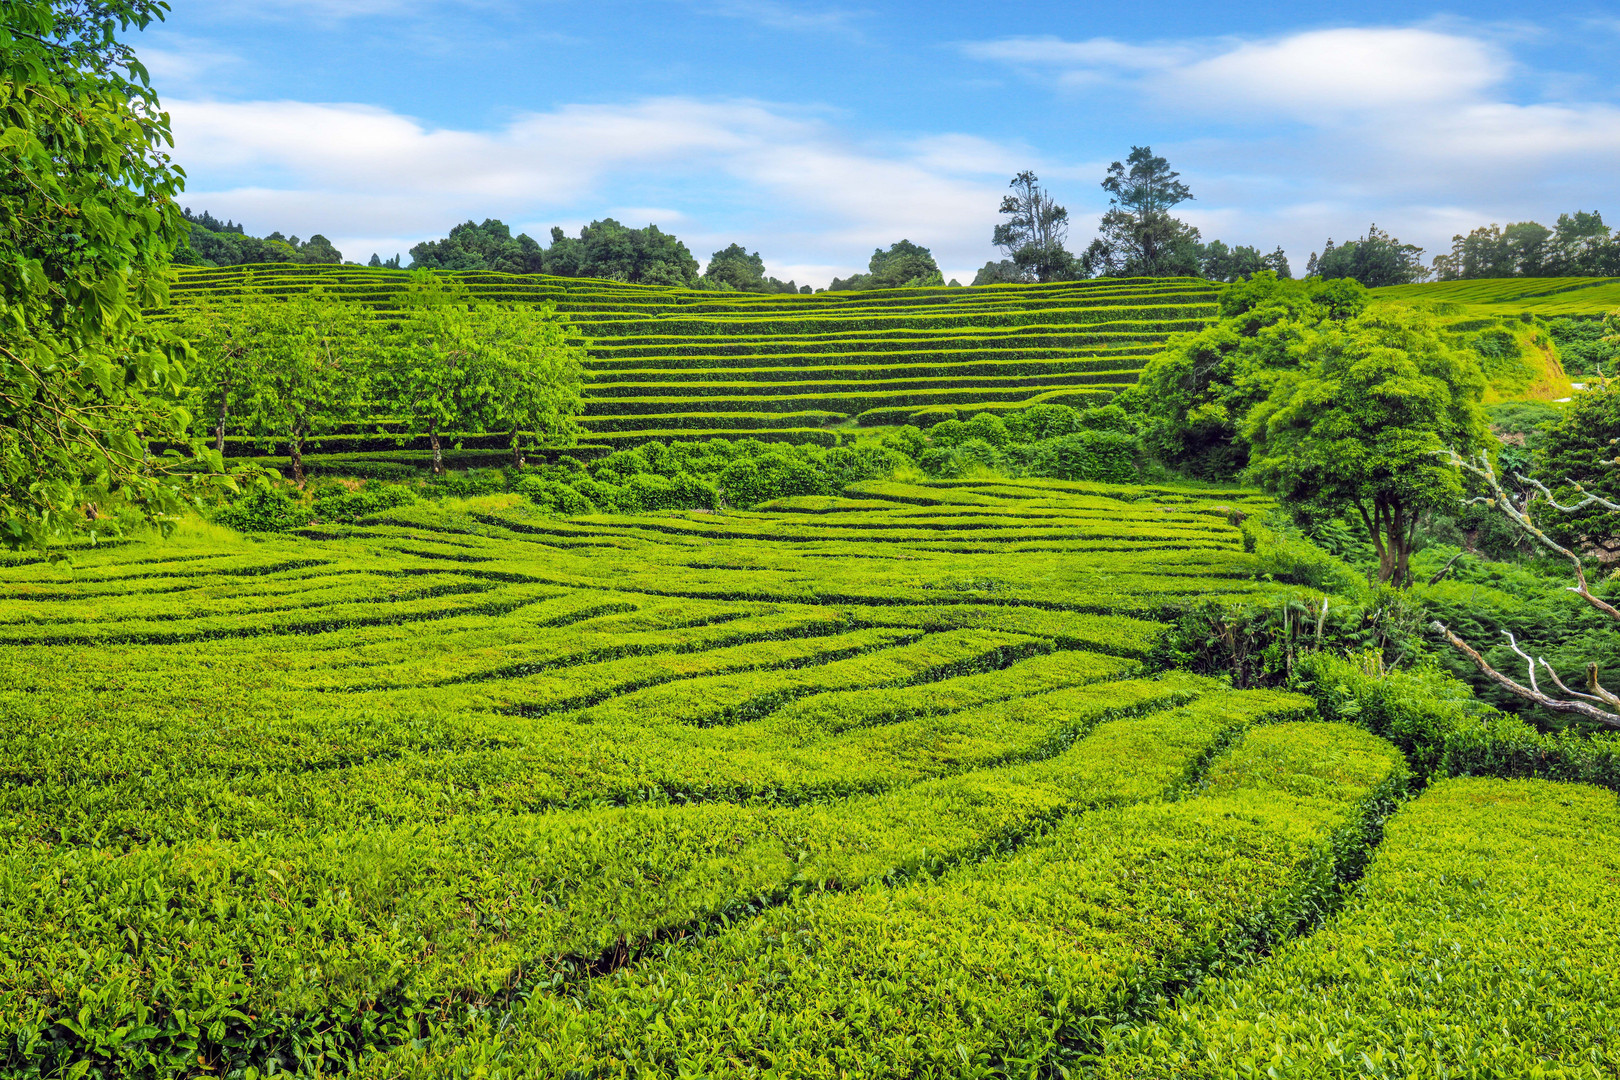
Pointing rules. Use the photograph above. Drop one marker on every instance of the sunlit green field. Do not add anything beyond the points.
(884, 784)
(1510, 296)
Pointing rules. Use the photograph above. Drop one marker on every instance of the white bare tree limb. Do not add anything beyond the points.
(1592, 703)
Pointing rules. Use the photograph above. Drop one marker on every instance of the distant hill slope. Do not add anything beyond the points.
(677, 363)
(1510, 296)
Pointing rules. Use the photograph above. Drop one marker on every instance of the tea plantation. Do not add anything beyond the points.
(1577, 296)
(884, 784)
(678, 363)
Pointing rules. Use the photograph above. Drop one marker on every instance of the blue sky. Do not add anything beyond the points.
(814, 131)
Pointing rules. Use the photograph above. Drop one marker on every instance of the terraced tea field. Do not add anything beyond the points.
(1510, 296)
(876, 785)
(676, 363)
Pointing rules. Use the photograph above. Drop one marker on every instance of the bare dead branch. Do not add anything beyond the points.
(1446, 569)
(1560, 684)
(1501, 500)
(1591, 712)
(1590, 499)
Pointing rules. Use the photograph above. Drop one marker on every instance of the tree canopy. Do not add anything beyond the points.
(1359, 423)
(1374, 260)
(305, 369)
(1197, 392)
(87, 225)
(734, 268)
(1137, 237)
(211, 242)
(603, 249)
(903, 265)
(1578, 448)
(1033, 234)
(1580, 245)
(490, 246)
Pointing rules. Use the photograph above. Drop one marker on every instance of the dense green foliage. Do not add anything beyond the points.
(87, 223)
(1588, 346)
(1375, 260)
(1579, 245)
(1197, 393)
(1575, 455)
(1480, 946)
(604, 249)
(294, 368)
(211, 242)
(734, 268)
(1359, 425)
(903, 266)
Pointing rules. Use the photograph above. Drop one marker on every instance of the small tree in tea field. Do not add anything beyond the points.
(538, 366)
(310, 375)
(454, 365)
(1357, 424)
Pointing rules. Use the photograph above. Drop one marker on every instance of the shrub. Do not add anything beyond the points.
(1108, 456)
(1481, 945)
(954, 460)
(472, 482)
(554, 496)
(264, 509)
(340, 504)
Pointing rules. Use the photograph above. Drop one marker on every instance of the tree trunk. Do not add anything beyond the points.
(438, 448)
(295, 450)
(517, 451)
(1396, 525)
(224, 409)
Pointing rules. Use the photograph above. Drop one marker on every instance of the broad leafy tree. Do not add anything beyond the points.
(308, 371)
(490, 246)
(735, 268)
(1194, 395)
(1033, 233)
(646, 256)
(229, 344)
(211, 242)
(1002, 272)
(455, 367)
(537, 363)
(1580, 245)
(1360, 423)
(430, 371)
(87, 224)
(1138, 237)
(903, 265)
(1222, 263)
(1575, 457)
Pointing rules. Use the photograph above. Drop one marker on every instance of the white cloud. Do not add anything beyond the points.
(815, 198)
(184, 61)
(1096, 54)
(1343, 71)
(781, 15)
(1350, 69)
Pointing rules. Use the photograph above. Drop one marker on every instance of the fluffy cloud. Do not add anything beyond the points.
(816, 198)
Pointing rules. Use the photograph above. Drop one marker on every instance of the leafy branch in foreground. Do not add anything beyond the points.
(87, 224)
(1597, 703)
